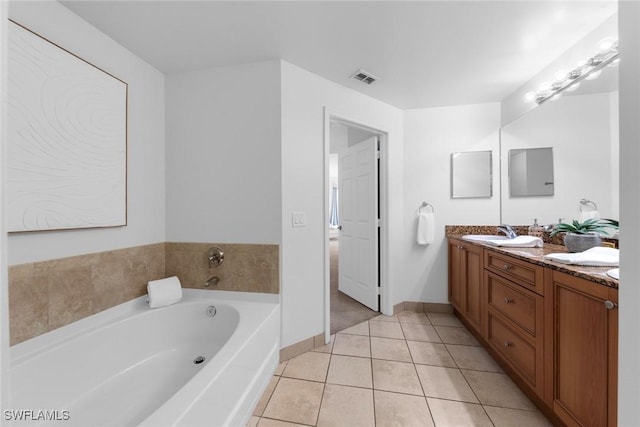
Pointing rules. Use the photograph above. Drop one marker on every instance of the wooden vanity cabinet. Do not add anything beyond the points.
(554, 333)
(465, 281)
(515, 328)
(582, 341)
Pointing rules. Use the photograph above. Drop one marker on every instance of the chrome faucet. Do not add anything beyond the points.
(508, 231)
(214, 280)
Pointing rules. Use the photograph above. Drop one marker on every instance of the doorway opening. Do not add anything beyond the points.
(354, 224)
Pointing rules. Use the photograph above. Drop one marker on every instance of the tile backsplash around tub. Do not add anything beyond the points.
(246, 267)
(49, 294)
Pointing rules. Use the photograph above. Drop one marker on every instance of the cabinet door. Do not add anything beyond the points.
(472, 279)
(456, 296)
(583, 378)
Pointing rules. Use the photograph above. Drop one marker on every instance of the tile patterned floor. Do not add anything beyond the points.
(412, 369)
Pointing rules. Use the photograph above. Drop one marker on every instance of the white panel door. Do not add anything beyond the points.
(358, 237)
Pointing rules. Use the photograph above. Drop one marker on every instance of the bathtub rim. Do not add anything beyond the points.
(25, 350)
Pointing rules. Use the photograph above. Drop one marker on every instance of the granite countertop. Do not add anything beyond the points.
(535, 256)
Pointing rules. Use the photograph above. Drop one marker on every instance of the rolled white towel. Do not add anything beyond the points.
(518, 242)
(164, 292)
(426, 228)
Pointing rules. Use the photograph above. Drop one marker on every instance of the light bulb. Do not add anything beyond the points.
(594, 75)
(529, 97)
(544, 87)
(606, 44)
(556, 96)
(561, 75)
(614, 63)
(573, 87)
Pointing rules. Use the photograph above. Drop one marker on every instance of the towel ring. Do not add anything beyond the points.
(424, 205)
(585, 202)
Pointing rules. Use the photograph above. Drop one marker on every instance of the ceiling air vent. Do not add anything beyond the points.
(365, 76)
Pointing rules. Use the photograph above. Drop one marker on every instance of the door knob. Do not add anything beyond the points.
(610, 305)
(339, 227)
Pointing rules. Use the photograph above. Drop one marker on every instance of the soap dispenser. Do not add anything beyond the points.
(536, 229)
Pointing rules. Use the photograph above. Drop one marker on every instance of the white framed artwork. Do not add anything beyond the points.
(67, 139)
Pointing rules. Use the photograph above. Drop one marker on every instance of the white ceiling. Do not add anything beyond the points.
(426, 53)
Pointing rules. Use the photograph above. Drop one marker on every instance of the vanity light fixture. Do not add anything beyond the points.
(590, 69)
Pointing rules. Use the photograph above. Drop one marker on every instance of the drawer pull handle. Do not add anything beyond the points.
(610, 305)
(507, 344)
(507, 266)
(508, 300)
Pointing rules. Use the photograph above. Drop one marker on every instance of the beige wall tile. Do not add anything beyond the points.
(70, 295)
(28, 303)
(49, 294)
(247, 267)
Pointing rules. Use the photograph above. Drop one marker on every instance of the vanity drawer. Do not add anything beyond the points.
(517, 304)
(521, 272)
(519, 351)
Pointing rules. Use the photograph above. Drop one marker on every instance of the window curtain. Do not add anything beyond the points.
(333, 214)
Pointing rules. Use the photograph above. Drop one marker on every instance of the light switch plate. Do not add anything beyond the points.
(298, 219)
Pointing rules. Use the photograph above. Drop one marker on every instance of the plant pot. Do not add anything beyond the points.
(581, 242)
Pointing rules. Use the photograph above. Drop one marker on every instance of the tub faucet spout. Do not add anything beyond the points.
(214, 280)
(508, 231)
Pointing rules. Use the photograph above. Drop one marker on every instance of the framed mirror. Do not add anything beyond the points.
(531, 172)
(471, 174)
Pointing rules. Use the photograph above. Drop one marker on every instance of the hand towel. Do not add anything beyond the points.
(595, 257)
(164, 292)
(518, 242)
(583, 216)
(426, 228)
(614, 272)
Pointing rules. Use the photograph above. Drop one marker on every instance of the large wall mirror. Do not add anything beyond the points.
(581, 130)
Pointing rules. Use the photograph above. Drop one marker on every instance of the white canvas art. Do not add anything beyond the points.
(67, 139)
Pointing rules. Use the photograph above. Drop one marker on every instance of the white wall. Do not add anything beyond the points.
(146, 158)
(629, 296)
(223, 151)
(431, 135)
(304, 96)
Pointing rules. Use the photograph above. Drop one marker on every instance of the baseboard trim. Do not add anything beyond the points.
(422, 307)
(293, 350)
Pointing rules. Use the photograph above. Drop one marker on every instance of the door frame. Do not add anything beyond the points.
(330, 115)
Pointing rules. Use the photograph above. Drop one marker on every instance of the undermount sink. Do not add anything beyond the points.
(482, 237)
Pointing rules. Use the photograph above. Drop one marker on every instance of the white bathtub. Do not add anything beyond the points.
(133, 366)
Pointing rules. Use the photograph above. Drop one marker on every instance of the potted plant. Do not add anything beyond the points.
(581, 236)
